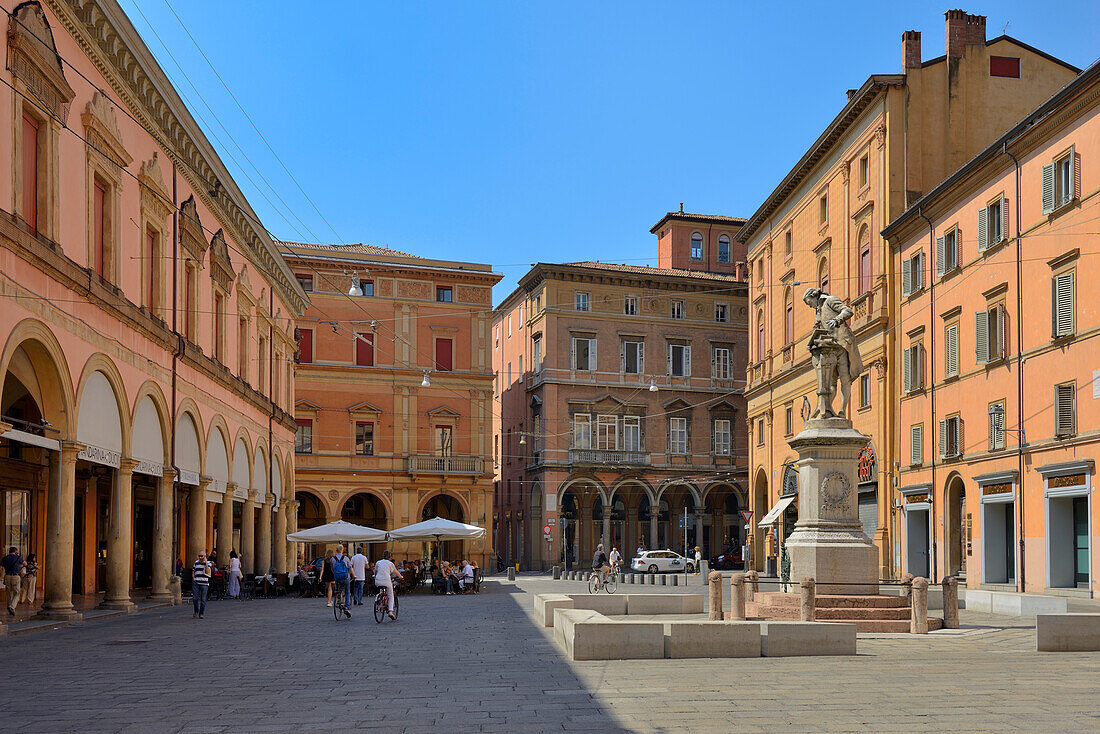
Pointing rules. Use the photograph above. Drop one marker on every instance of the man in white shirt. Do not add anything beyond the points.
(384, 571)
(467, 578)
(358, 576)
(616, 557)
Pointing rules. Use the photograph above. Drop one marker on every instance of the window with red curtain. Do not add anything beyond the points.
(443, 352)
(364, 350)
(98, 230)
(305, 346)
(30, 173)
(865, 268)
(150, 267)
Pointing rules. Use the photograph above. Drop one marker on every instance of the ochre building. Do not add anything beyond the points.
(393, 391)
(621, 410)
(1000, 404)
(146, 321)
(897, 137)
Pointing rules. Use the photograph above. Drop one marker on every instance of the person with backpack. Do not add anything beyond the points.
(341, 575)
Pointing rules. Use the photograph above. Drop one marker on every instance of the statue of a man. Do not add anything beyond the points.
(835, 354)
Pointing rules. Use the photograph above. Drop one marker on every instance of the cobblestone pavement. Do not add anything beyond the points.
(478, 663)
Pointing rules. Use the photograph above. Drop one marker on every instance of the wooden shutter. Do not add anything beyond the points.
(364, 350)
(443, 355)
(907, 277)
(1004, 217)
(951, 349)
(305, 346)
(1064, 410)
(1071, 193)
(1048, 188)
(1062, 298)
(958, 436)
(996, 429)
(981, 337)
(983, 228)
(943, 439)
(916, 445)
(907, 370)
(941, 254)
(918, 272)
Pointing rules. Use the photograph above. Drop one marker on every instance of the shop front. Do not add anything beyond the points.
(998, 507)
(1066, 489)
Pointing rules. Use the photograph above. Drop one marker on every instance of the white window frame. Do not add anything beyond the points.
(677, 436)
(723, 437)
(992, 223)
(721, 313)
(912, 274)
(721, 364)
(697, 237)
(1060, 181)
(625, 347)
(591, 362)
(536, 352)
(607, 433)
(676, 309)
(685, 356)
(582, 430)
(630, 305)
(632, 433)
(582, 301)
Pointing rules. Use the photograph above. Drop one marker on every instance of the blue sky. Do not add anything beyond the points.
(512, 132)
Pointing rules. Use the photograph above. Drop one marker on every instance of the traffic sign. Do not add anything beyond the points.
(545, 529)
(746, 515)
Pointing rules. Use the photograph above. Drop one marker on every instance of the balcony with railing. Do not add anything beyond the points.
(606, 457)
(419, 464)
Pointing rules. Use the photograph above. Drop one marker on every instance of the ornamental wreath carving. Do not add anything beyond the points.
(835, 489)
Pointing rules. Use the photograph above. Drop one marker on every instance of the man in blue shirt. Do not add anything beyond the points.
(13, 564)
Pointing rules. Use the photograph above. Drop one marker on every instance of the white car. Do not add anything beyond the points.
(661, 561)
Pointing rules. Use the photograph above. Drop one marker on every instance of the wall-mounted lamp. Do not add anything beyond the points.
(425, 382)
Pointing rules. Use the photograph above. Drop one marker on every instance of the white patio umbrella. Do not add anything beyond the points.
(437, 529)
(339, 531)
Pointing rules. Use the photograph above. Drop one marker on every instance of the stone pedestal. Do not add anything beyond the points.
(828, 543)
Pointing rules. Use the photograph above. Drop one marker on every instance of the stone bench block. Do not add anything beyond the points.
(1012, 604)
(609, 604)
(545, 604)
(781, 639)
(664, 603)
(1067, 632)
(565, 621)
(712, 639)
(599, 638)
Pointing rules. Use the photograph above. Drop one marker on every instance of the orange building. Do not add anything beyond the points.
(621, 413)
(897, 136)
(1000, 404)
(393, 390)
(146, 323)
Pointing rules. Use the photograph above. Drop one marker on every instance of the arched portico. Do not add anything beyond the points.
(954, 526)
(150, 449)
(580, 499)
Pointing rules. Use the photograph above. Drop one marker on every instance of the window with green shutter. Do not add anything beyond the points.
(1062, 287)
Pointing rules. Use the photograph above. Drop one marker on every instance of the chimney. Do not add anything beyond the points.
(851, 93)
(961, 29)
(910, 50)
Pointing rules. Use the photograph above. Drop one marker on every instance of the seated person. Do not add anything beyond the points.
(439, 581)
(466, 576)
(305, 583)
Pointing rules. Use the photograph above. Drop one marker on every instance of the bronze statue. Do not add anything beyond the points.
(835, 354)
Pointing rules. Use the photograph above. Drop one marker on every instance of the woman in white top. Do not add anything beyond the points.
(235, 575)
(384, 571)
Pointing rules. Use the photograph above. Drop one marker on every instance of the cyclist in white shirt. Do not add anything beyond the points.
(384, 571)
(616, 557)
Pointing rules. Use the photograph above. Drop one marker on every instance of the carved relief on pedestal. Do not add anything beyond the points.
(835, 491)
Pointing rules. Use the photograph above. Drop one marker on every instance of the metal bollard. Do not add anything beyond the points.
(752, 585)
(950, 603)
(664, 581)
(511, 573)
(652, 579)
(737, 597)
(675, 580)
(556, 572)
(918, 623)
(807, 610)
(715, 604)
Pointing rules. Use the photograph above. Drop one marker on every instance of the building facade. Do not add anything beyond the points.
(999, 412)
(146, 323)
(898, 135)
(393, 392)
(620, 413)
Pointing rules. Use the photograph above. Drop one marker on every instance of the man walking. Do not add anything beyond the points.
(200, 584)
(359, 576)
(13, 564)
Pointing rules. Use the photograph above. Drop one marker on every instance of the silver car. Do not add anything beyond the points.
(662, 561)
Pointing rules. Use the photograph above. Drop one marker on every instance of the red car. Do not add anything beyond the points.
(729, 561)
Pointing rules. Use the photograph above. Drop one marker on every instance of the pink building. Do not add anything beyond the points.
(1000, 403)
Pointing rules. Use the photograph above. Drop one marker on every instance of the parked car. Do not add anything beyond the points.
(662, 561)
(731, 560)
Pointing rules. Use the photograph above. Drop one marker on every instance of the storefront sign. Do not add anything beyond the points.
(98, 455)
(995, 489)
(919, 497)
(151, 468)
(866, 467)
(1071, 480)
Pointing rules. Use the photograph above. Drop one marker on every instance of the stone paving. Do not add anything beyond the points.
(479, 663)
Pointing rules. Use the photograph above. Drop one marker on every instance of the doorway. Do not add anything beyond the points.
(917, 541)
(999, 542)
(144, 516)
(78, 544)
(1068, 564)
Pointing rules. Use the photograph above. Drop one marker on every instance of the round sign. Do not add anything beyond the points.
(546, 529)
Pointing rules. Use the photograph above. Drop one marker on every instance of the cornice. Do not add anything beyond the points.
(105, 34)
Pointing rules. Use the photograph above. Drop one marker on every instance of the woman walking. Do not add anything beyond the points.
(327, 577)
(29, 580)
(235, 575)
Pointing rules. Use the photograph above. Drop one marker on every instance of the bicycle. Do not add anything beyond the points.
(382, 604)
(596, 582)
(338, 606)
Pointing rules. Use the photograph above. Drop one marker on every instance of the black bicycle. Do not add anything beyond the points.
(382, 604)
(338, 609)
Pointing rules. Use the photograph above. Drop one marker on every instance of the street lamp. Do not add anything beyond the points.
(997, 411)
(425, 382)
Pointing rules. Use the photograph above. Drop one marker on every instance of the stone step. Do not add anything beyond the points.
(826, 614)
(833, 601)
(886, 625)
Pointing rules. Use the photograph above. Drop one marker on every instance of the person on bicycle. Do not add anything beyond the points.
(384, 571)
(599, 562)
(341, 575)
(616, 558)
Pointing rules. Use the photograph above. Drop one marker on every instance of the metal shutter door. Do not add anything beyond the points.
(868, 512)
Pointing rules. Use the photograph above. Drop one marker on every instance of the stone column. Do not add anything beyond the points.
(196, 521)
(120, 545)
(950, 603)
(714, 605)
(807, 604)
(163, 563)
(290, 507)
(607, 529)
(57, 592)
(263, 538)
(248, 534)
(737, 597)
(654, 513)
(698, 534)
(280, 540)
(225, 525)
(918, 622)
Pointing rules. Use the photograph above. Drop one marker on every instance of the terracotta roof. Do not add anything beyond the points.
(643, 270)
(704, 218)
(358, 248)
